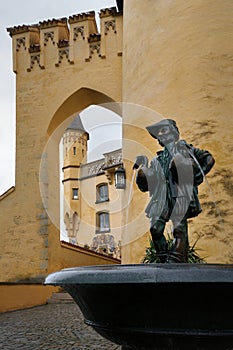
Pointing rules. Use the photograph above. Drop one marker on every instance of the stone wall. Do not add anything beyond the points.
(178, 63)
(62, 66)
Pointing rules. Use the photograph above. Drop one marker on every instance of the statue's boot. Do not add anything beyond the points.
(179, 249)
(161, 248)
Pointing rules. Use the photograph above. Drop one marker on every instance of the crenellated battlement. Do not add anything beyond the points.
(112, 11)
(66, 41)
(82, 17)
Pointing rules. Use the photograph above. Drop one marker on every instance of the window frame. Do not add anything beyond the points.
(102, 198)
(73, 195)
(102, 222)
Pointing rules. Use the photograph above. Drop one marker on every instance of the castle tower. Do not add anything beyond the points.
(74, 153)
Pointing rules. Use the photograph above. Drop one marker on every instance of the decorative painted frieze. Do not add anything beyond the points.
(93, 48)
(76, 42)
(113, 158)
(95, 168)
(94, 44)
(35, 58)
(63, 53)
(20, 42)
(49, 36)
(79, 31)
(108, 24)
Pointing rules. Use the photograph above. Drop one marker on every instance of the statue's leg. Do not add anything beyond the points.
(179, 250)
(159, 240)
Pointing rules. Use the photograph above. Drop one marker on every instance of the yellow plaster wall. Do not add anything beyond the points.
(178, 62)
(50, 88)
(21, 296)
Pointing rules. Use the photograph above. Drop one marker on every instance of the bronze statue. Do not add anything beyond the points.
(172, 180)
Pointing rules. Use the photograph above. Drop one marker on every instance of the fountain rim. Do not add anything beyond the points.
(142, 274)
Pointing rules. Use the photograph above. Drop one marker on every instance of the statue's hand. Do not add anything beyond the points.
(141, 180)
(140, 160)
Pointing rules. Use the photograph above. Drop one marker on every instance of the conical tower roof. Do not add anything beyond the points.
(77, 124)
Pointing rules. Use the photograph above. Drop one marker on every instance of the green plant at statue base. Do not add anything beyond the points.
(152, 257)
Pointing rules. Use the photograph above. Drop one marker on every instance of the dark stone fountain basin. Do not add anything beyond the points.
(155, 306)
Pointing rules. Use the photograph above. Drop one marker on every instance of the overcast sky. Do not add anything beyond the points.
(18, 12)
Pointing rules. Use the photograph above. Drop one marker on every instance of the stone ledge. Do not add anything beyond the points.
(7, 193)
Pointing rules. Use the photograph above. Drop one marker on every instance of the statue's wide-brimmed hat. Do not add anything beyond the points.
(154, 128)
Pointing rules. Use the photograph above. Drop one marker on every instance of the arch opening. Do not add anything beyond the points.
(77, 102)
(81, 102)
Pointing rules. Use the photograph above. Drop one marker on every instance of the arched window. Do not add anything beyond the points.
(102, 222)
(75, 224)
(67, 223)
(102, 193)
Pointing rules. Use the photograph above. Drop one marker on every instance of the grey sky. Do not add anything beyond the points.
(13, 13)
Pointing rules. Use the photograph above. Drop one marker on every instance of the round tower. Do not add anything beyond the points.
(74, 154)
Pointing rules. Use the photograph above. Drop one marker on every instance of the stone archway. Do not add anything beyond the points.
(74, 104)
(60, 71)
(78, 101)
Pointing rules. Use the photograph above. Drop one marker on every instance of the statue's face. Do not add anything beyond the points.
(165, 136)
